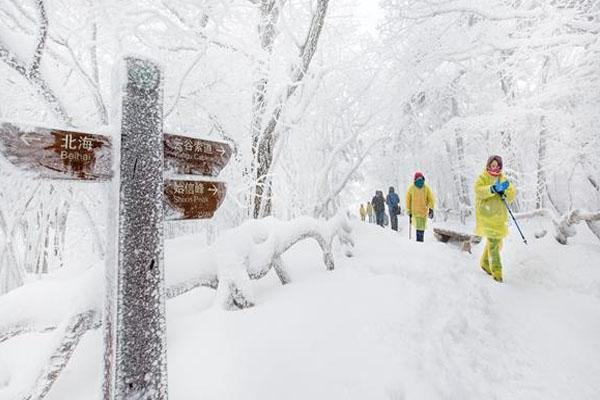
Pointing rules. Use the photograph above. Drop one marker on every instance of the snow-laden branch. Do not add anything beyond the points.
(70, 335)
(493, 15)
(41, 40)
(44, 305)
(250, 251)
(31, 73)
(564, 225)
(243, 253)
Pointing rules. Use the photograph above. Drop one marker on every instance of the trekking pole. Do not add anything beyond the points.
(514, 219)
(409, 227)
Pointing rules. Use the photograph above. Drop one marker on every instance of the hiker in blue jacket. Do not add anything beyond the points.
(393, 202)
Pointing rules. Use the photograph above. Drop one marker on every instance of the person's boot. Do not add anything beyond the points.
(420, 236)
(497, 275)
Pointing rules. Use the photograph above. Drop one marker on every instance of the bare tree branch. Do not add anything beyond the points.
(32, 73)
(73, 332)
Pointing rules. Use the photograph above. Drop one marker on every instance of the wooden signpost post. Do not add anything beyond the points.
(135, 323)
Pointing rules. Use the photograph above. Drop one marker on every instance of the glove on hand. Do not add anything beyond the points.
(499, 187)
(431, 213)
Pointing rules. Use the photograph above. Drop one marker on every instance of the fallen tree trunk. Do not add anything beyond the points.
(250, 250)
(243, 253)
(466, 239)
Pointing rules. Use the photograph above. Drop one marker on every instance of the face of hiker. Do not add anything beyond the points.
(420, 183)
(494, 167)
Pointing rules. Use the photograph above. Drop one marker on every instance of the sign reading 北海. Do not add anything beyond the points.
(187, 199)
(57, 154)
(186, 155)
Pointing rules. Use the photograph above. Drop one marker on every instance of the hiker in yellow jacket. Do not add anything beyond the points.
(491, 214)
(419, 204)
(363, 212)
(370, 212)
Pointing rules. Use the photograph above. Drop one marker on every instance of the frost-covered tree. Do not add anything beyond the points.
(510, 77)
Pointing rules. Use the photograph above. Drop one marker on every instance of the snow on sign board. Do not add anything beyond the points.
(186, 155)
(185, 199)
(57, 154)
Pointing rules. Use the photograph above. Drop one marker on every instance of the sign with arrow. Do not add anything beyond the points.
(186, 155)
(57, 154)
(191, 199)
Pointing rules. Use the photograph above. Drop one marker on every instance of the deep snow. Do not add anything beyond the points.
(400, 320)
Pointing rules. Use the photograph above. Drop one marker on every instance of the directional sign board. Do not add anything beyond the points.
(57, 154)
(185, 199)
(186, 155)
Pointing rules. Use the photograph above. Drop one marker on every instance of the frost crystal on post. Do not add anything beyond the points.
(140, 348)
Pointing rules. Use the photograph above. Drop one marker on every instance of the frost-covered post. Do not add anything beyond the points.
(140, 369)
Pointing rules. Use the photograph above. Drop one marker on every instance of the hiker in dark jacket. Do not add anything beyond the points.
(379, 207)
(393, 202)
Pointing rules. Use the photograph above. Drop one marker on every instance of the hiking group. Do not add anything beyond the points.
(493, 193)
(419, 205)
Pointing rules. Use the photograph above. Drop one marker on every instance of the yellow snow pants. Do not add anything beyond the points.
(490, 259)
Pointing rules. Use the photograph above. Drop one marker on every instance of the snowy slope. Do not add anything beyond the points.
(400, 320)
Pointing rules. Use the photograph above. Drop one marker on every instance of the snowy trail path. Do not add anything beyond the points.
(400, 320)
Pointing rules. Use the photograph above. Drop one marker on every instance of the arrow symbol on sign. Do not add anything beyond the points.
(24, 138)
(213, 189)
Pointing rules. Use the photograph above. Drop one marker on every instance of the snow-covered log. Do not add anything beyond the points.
(466, 239)
(251, 250)
(564, 226)
(246, 252)
(42, 306)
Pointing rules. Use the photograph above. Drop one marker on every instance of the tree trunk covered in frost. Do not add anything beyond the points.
(267, 32)
(12, 274)
(541, 166)
(460, 159)
(141, 368)
(511, 164)
(542, 184)
(267, 138)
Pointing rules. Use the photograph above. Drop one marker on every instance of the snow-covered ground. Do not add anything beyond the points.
(400, 320)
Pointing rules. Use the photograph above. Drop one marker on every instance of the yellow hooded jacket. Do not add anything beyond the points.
(419, 201)
(490, 212)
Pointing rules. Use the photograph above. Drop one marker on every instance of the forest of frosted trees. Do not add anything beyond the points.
(318, 105)
(321, 103)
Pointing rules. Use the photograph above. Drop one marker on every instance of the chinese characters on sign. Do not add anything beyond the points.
(186, 199)
(57, 154)
(185, 155)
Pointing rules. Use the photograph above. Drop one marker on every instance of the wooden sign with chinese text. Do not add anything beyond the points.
(186, 155)
(57, 154)
(186, 199)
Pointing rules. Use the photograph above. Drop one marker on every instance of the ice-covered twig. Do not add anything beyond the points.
(72, 333)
